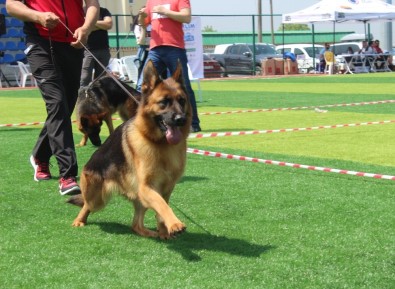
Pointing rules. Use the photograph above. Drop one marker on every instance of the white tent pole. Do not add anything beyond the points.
(388, 34)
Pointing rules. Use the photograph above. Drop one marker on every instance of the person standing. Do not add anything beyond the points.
(55, 34)
(322, 64)
(99, 46)
(167, 42)
(143, 37)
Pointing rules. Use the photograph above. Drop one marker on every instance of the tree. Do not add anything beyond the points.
(294, 27)
(208, 29)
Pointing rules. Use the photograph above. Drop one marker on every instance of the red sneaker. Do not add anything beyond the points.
(68, 186)
(41, 170)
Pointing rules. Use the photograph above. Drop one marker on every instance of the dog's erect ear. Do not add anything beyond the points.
(177, 75)
(150, 78)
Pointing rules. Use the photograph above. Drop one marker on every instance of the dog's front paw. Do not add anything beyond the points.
(172, 232)
(78, 223)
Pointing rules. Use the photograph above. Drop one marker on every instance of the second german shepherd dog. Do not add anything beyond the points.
(144, 158)
(98, 102)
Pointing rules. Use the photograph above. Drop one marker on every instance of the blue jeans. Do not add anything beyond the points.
(142, 54)
(166, 57)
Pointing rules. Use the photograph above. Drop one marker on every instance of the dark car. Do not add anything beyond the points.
(212, 68)
(239, 58)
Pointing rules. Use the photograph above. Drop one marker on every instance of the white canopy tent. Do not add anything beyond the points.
(343, 10)
(339, 11)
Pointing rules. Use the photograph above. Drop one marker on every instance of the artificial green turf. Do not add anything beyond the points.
(250, 225)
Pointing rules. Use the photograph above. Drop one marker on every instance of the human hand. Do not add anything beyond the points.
(142, 13)
(81, 35)
(141, 17)
(48, 19)
(160, 9)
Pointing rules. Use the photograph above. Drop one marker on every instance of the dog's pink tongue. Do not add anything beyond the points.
(173, 135)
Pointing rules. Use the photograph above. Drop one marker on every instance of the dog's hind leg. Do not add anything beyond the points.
(78, 200)
(93, 196)
(82, 217)
(138, 221)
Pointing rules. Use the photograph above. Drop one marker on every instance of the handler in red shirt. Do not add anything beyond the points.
(55, 32)
(167, 44)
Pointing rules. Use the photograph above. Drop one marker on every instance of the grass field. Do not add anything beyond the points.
(250, 225)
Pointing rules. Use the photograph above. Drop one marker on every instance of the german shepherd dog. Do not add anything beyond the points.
(98, 102)
(144, 158)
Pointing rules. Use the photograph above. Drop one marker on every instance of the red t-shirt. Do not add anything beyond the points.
(70, 12)
(166, 31)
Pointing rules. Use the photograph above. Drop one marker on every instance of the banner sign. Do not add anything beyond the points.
(194, 46)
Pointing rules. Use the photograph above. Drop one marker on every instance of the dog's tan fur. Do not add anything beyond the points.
(138, 161)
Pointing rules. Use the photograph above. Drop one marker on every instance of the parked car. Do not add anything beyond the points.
(212, 68)
(220, 48)
(305, 54)
(238, 58)
(342, 48)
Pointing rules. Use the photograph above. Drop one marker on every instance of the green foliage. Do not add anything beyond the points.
(250, 225)
(294, 27)
(208, 28)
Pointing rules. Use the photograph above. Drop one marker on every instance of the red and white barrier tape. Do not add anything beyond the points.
(299, 107)
(220, 134)
(21, 124)
(298, 166)
(35, 123)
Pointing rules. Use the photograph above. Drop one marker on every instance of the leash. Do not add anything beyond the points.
(104, 68)
(104, 71)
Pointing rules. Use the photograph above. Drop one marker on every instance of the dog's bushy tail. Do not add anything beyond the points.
(76, 200)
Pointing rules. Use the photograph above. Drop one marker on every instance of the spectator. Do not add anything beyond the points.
(322, 64)
(376, 47)
(167, 45)
(99, 47)
(366, 48)
(54, 52)
(380, 60)
(143, 37)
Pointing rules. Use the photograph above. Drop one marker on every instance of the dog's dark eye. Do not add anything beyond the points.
(182, 101)
(164, 102)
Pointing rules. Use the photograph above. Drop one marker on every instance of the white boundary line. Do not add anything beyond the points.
(240, 111)
(299, 107)
(286, 164)
(221, 134)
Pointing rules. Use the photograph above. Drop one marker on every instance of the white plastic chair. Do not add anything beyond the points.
(130, 67)
(115, 66)
(330, 62)
(24, 73)
(197, 80)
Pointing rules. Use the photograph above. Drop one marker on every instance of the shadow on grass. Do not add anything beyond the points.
(18, 129)
(192, 179)
(188, 245)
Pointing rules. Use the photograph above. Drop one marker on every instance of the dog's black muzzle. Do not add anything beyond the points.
(179, 120)
(94, 135)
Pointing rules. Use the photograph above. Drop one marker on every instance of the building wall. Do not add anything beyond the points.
(137, 4)
(120, 7)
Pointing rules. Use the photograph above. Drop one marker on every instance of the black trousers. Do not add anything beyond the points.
(57, 69)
